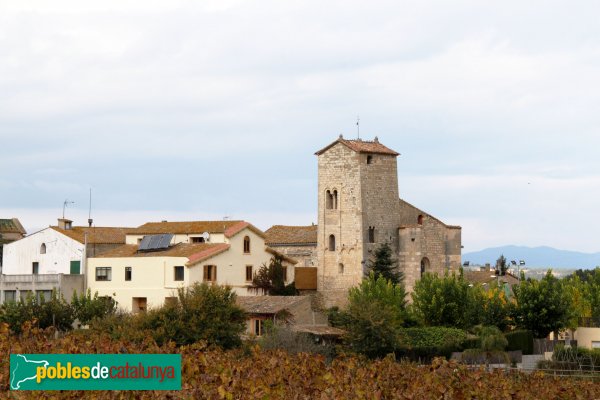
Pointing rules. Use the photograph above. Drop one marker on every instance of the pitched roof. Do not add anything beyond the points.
(229, 228)
(283, 256)
(285, 234)
(96, 235)
(361, 146)
(268, 304)
(11, 225)
(406, 203)
(188, 250)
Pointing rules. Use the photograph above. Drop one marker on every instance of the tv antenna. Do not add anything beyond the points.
(65, 204)
(358, 126)
(90, 220)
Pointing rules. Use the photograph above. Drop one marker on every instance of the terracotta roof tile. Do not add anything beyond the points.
(96, 235)
(284, 234)
(183, 227)
(11, 225)
(188, 250)
(268, 304)
(235, 229)
(283, 256)
(361, 146)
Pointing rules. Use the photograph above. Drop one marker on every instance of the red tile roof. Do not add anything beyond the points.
(194, 252)
(285, 234)
(229, 228)
(361, 146)
(96, 235)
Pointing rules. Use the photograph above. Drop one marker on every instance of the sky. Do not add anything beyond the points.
(192, 110)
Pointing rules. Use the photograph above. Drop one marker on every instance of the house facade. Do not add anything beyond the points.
(225, 252)
(10, 230)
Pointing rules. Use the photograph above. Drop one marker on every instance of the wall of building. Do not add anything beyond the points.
(181, 238)
(19, 256)
(587, 337)
(20, 285)
(306, 255)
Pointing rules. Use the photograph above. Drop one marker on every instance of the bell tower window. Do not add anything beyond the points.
(331, 243)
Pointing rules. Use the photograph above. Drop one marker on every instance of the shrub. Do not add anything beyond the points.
(520, 340)
(282, 337)
(423, 344)
(87, 307)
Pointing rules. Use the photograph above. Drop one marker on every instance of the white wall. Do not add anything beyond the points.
(60, 251)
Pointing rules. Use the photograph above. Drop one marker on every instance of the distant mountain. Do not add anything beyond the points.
(537, 257)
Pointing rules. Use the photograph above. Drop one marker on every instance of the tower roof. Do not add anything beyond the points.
(361, 146)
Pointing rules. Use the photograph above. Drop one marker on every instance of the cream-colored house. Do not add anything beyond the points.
(223, 252)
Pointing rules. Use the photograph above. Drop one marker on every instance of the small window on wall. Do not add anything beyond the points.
(210, 273)
(328, 200)
(10, 295)
(248, 273)
(246, 244)
(178, 272)
(43, 248)
(257, 327)
(284, 269)
(369, 159)
(340, 268)
(103, 273)
(331, 243)
(420, 220)
(371, 234)
(35, 268)
(127, 273)
(197, 240)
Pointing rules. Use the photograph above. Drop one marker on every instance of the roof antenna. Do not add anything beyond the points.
(358, 126)
(90, 220)
(65, 204)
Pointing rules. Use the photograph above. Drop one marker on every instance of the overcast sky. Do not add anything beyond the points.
(185, 110)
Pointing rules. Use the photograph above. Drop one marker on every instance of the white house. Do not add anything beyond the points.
(42, 261)
(223, 252)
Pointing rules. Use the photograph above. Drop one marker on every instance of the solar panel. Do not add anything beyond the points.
(155, 242)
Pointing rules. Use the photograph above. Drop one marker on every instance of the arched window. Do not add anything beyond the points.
(43, 248)
(369, 159)
(246, 244)
(424, 266)
(340, 268)
(420, 220)
(335, 200)
(371, 234)
(331, 243)
(328, 200)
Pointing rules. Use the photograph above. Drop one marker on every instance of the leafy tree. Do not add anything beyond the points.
(490, 307)
(493, 343)
(87, 307)
(374, 316)
(270, 279)
(384, 264)
(53, 312)
(444, 301)
(501, 265)
(542, 306)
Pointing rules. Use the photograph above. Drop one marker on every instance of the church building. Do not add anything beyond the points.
(359, 209)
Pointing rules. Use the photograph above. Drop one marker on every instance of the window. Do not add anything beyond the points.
(178, 273)
(257, 326)
(371, 234)
(10, 295)
(335, 199)
(331, 243)
(127, 273)
(210, 273)
(328, 200)
(43, 248)
(340, 268)
(246, 244)
(424, 266)
(284, 269)
(197, 240)
(248, 273)
(139, 304)
(171, 301)
(35, 268)
(103, 273)
(75, 267)
(24, 294)
(369, 159)
(420, 220)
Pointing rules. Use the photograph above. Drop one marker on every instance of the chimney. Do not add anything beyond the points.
(65, 224)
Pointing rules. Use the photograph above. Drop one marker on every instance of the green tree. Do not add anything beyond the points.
(87, 307)
(270, 279)
(542, 306)
(384, 264)
(374, 316)
(501, 265)
(444, 301)
(52, 312)
(490, 307)
(493, 343)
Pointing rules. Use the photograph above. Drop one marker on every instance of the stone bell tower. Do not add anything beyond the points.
(358, 211)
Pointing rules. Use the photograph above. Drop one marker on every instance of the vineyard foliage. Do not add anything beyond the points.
(251, 373)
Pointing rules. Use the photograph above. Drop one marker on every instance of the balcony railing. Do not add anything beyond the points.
(30, 278)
